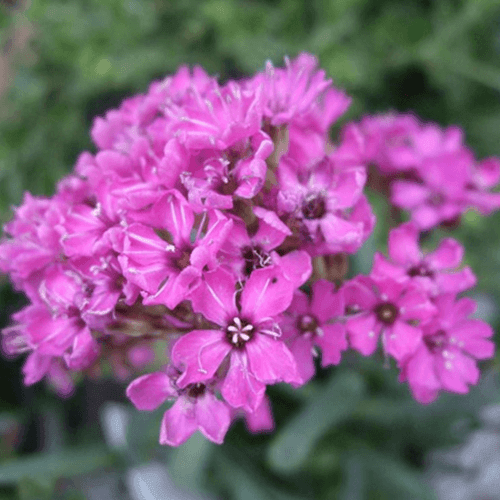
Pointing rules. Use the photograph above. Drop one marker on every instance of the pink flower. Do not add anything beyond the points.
(38, 366)
(195, 408)
(244, 253)
(201, 214)
(248, 335)
(300, 100)
(219, 119)
(103, 287)
(387, 309)
(48, 338)
(119, 127)
(432, 270)
(33, 242)
(439, 196)
(400, 142)
(215, 177)
(430, 170)
(316, 322)
(320, 198)
(485, 175)
(162, 260)
(445, 359)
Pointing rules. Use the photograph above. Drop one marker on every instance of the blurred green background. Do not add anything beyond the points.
(355, 432)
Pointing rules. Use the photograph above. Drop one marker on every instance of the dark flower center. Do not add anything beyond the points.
(183, 260)
(255, 258)
(314, 208)
(196, 390)
(228, 185)
(436, 199)
(239, 332)
(420, 270)
(452, 223)
(387, 313)
(119, 282)
(89, 289)
(307, 323)
(436, 341)
(352, 309)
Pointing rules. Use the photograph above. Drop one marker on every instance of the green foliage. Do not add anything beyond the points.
(40, 468)
(295, 441)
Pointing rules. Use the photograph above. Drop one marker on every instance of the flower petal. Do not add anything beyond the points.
(326, 303)
(271, 361)
(198, 354)
(471, 335)
(178, 423)
(363, 333)
(295, 265)
(420, 371)
(456, 282)
(261, 420)
(456, 371)
(240, 387)
(215, 296)
(403, 245)
(301, 348)
(402, 339)
(383, 269)
(332, 342)
(447, 255)
(150, 391)
(267, 293)
(213, 417)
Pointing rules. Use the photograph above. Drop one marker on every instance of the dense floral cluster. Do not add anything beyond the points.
(430, 171)
(210, 236)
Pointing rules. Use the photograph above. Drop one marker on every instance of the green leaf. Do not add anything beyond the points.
(332, 405)
(392, 472)
(354, 484)
(245, 482)
(188, 462)
(45, 465)
(32, 489)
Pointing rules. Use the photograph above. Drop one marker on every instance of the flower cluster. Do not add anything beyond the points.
(207, 240)
(409, 301)
(430, 171)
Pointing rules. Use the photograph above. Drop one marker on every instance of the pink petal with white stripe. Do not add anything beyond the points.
(240, 388)
(199, 354)
(267, 293)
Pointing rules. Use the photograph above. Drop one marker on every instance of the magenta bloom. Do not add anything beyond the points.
(387, 309)
(431, 172)
(321, 199)
(316, 322)
(244, 253)
(195, 408)
(439, 196)
(205, 207)
(400, 142)
(300, 100)
(33, 242)
(162, 260)
(49, 337)
(484, 176)
(248, 335)
(215, 177)
(448, 184)
(431, 271)
(445, 359)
